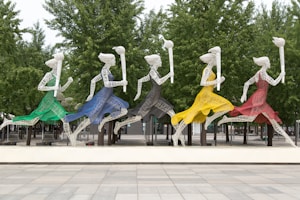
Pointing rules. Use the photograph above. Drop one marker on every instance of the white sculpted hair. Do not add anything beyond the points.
(106, 57)
(262, 61)
(152, 59)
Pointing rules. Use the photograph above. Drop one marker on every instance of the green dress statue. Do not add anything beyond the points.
(49, 109)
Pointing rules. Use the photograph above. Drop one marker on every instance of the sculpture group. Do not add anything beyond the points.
(104, 106)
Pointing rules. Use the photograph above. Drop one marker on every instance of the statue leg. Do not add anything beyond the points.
(171, 113)
(279, 130)
(81, 126)
(210, 119)
(110, 118)
(164, 107)
(23, 123)
(182, 140)
(178, 134)
(241, 118)
(6, 122)
(118, 125)
(67, 129)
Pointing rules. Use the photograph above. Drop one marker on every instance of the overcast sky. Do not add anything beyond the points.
(31, 11)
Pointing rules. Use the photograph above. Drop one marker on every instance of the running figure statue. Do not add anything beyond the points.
(206, 100)
(256, 108)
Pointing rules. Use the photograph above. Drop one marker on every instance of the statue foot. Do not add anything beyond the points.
(181, 138)
(4, 123)
(117, 127)
(100, 126)
(207, 122)
(72, 139)
(175, 140)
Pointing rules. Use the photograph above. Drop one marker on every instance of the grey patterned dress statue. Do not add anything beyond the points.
(153, 104)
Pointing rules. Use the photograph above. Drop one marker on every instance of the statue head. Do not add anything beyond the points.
(209, 58)
(52, 63)
(107, 58)
(212, 57)
(153, 60)
(262, 61)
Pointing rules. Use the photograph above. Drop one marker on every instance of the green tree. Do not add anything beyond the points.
(90, 27)
(30, 67)
(9, 35)
(280, 22)
(198, 25)
(21, 62)
(291, 104)
(151, 28)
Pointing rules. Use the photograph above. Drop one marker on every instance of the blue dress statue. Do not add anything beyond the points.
(104, 102)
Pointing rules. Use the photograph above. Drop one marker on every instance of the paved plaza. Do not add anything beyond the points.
(149, 182)
(132, 170)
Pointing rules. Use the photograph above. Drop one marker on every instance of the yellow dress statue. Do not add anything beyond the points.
(206, 100)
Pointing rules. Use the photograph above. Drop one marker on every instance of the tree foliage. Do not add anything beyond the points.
(280, 21)
(198, 25)
(242, 30)
(21, 63)
(91, 27)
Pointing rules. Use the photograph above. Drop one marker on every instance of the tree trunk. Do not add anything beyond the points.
(227, 132)
(167, 136)
(189, 143)
(203, 136)
(115, 137)
(261, 132)
(101, 137)
(109, 131)
(270, 135)
(245, 133)
(29, 136)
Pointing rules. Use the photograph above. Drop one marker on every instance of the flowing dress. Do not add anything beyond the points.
(153, 104)
(104, 102)
(204, 102)
(256, 105)
(49, 109)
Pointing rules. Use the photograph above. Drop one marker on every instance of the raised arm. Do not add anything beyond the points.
(93, 86)
(280, 42)
(139, 87)
(59, 57)
(169, 45)
(121, 51)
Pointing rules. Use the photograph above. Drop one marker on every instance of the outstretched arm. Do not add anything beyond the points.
(42, 85)
(205, 76)
(273, 82)
(66, 85)
(158, 80)
(108, 83)
(246, 86)
(139, 88)
(93, 86)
